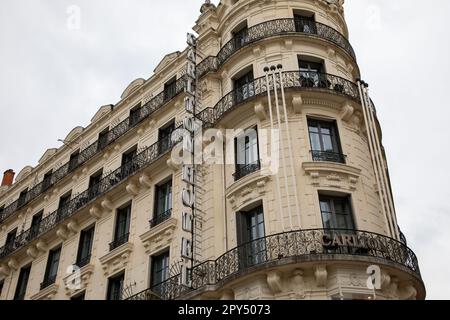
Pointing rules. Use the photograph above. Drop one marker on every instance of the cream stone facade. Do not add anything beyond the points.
(296, 249)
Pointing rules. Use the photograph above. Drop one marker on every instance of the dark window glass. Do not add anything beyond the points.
(128, 156)
(36, 224)
(47, 182)
(163, 203)
(63, 207)
(164, 137)
(128, 165)
(79, 297)
(94, 184)
(251, 231)
(22, 283)
(135, 115)
(244, 87)
(85, 247)
(160, 270)
(73, 162)
(170, 89)
(1, 287)
(122, 229)
(103, 139)
(247, 153)
(312, 74)
(241, 37)
(22, 198)
(336, 213)
(10, 239)
(52, 268)
(305, 24)
(2, 209)
(324, 138)
(115, 287)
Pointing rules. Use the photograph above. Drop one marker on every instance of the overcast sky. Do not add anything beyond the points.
(54, 77)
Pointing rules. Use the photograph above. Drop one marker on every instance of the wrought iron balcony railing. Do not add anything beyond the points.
(95, 148)
(83, 261)
(289, 246)
(270, 29)
(160, 218)
(140, 161)
(328, 156)
(292, 80)
(119, 241)
(48, 282)
(243, 170)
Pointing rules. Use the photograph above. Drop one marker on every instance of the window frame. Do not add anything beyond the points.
(18, 294)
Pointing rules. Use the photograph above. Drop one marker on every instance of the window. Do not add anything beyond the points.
(79, 297)
(22, 283)
(2, 209)
(52, 268)
(336, 212)
(246, 153)
(10, 238)
(115, 287)
(304, 22)
(47, 182)
(127, 161)
(122, 228)
(94, 184)
(22, 198)
(324, 138)
(170, 89)
(160, 271)
(240, 35)
(36, 224)
(63, 207)
(135, 115)
(164, 137)
(163, 203)
(250, 234)
(85, 247)
(1, 287)
(244, 87)
(73, 161)
(312, 74)
(103, 139)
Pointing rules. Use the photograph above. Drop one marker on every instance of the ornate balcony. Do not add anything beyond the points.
(292, 80)
(95, 148)
(243, 170)
(160, 218)
(274, 28)
(336, 244)
(119, 241)
(328, 156)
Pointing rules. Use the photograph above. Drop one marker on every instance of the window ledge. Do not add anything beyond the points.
(47, 293)
(160, 236)
(116, 259)
(333, 175)
(247, 189)
(85, 274)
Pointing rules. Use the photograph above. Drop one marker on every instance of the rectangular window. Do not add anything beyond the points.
(164, 137)
(115, 287)
(135, 115)
(79, 297)
(73, 161)
(336, 212)
(52, 268)
(312, 74)
(85, 247)
(160, 271)
(244, 87)
(325, 144)
(22, 283)
(170, 89)
(94, 184)
(103, 139)
(163, 203)
(10, 238)
(246, 153)
(47, 182)
(122, 229)
(241, 36)
(22, 198)
(36, 224)
(63, 207)
(305, 23)
(128, 156)
(1, 287)
(250, 236)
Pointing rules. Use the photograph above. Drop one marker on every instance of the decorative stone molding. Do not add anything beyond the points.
(117, 259)
(260, 111)
(407, 291)
(47, 293)
(347, 112)
(13, 264)
(107, 205)
(227, 295)
(172, 165)
(247, 189)
(62, 233)
(85, 277)
(33, 252)
(132, 189)
(297, 102)
(274, 281)
(321, 275)
(42, 246)
(159, 237)
(333, 175)
(145, 181)
(96, 212)
(73, 226)
(5, 270)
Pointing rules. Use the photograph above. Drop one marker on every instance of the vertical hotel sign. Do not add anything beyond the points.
(188, 170)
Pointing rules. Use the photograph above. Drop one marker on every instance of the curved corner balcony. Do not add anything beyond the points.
(291, 248)
(292, 80)
(273, 28)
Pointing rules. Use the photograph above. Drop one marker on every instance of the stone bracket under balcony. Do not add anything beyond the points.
(160, 236)
(247, 189)
(85, 277)
(332, 175)
(47, 293)
(117, 259)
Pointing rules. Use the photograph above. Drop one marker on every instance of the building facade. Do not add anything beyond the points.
(300, 207)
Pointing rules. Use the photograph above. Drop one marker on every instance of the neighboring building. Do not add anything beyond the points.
(108, 200)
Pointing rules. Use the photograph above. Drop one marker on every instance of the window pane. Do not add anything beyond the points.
(315, 142)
